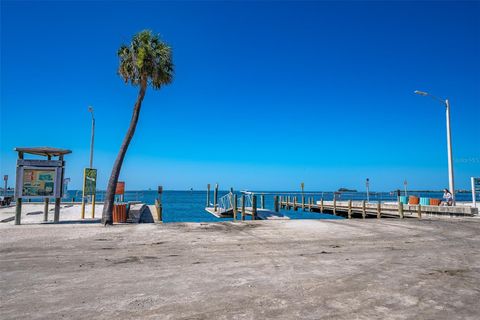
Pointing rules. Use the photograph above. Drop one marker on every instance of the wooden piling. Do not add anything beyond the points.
(159, 209)
(349, 209)
(215, 197)
(321, 205)
(364, 210)
(379, 210)
(243, 208)
(254, 207)
(419, 211)
(275, 203)
(400, 208)
(208, 195)
(262, 201)
(303, 202)
(295, 203)
(235, 209)
(334, 206)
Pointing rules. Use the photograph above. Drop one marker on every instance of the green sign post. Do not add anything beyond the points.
(89, 188)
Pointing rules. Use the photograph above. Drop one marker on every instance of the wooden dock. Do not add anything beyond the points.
(363, 209)
(261, 214)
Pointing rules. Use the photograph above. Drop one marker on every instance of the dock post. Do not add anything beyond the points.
(295, 203)
(208, 195)
(303, 202)
(215, 197)
(419, 211)
(379, 210)
(288, 202)
(364, 210)
(400, 208)
(235, 209)
(254, 207)
(262, 201)
(45, 210)
(321, 205)
(349, 209)
(158, 207)
(275, 203)
(243, 208)
(334, 206)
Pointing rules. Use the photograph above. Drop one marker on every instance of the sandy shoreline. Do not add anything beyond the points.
(315, 269)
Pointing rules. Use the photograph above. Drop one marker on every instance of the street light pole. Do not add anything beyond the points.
(367, 183)
(90, 109)
(451, 182)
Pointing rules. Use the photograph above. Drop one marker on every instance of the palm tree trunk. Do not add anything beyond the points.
(107, 214)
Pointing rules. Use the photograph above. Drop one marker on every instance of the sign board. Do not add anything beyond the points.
(89, 181)
(120, 189)
(475, 190)
(39, 179)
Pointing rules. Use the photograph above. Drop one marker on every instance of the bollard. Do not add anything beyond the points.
(419, 211)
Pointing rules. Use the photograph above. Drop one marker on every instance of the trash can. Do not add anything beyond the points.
(413, 200)
(404, 199)
(119, 213)
(435, 202)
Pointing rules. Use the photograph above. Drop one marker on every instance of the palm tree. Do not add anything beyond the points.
(146, 61)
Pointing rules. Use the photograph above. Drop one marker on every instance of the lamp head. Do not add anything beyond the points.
(90, 109)
(421, 93)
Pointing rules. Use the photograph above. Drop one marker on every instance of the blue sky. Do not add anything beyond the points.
(266, 94)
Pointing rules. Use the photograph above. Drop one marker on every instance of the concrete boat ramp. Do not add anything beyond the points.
(261, 214)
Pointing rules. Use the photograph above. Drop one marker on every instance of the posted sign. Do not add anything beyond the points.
(120, 189)
(39, 179)
(89, 181)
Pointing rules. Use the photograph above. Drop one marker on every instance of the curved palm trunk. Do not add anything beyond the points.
(107, 214)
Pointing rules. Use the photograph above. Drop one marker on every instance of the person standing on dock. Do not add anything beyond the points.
(447, 195)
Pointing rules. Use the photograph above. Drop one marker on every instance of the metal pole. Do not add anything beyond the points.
(368, 191)
(450, 156)
(474, 193)
(5, 178)
(92, 140)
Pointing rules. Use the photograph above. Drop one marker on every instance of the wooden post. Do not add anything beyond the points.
(334, 206)
(215, 197)
(419, 211)
(18, 208)
(56, 215)
(18, 211)
(158, 207)
(321, 205)
(254, 207)
(295, 203)
(349, 209)
(379, 210)
(288, 202)
(235, 209)
(400, 208)
(364, 210)
(93, 205)
(208, 195)
(45, 210)
(275, 203)
(262, 201)
(303, 202)
(243, 207)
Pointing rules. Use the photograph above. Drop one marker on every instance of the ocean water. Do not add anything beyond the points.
(189, 206)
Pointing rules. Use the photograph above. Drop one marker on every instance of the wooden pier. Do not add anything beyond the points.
(363, 209)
